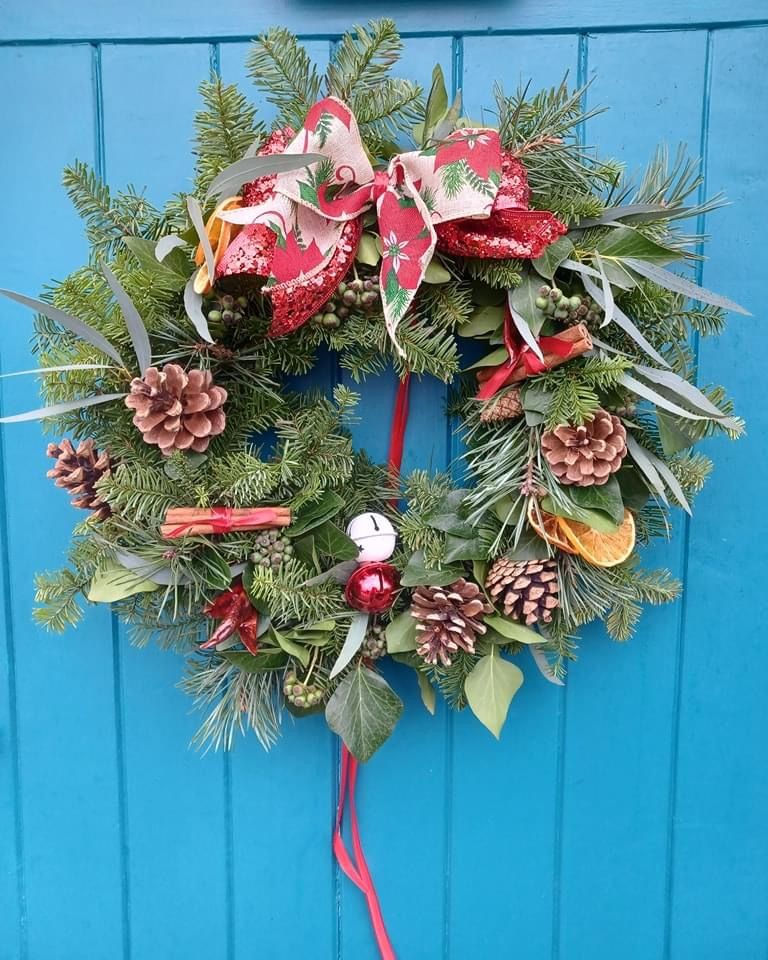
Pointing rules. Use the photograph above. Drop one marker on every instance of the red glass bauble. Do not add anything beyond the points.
(372, 587)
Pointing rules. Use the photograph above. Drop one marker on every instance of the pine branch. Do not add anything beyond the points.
(224, 130)
(58, 593)
(281, 67)
(362, 59)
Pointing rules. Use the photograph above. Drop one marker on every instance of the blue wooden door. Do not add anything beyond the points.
(621, 817)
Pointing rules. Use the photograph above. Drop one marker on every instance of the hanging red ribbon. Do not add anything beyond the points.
(357, 869)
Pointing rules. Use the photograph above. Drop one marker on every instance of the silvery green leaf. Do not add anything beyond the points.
(644, 391)
(581, 268)
(448, 124)
(133, 321)
(167, 243)
(78, 327)
(242, 171)
(672, 482)
(607, 304)
(193, 304)
(625, 323)
(643, 459)
(687, 391)
(545, 668)
(62, 369)
(638, 212)
(339, 573)
(58, 408)
(672, 281)
(152, 570)
(196, 216)
(353, 642)
(524, 330)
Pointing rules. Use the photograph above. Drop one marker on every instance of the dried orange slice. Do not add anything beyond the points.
(219, 234)
(548, 527)
(600, 549)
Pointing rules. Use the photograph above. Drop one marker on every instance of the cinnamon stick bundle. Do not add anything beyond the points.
(577, 337)
(197, 521)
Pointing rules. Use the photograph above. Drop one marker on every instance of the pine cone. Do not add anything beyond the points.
(527, 588)
(177, 410)
(588, 454)
(505, 406)
(449, 618)
(77, 470)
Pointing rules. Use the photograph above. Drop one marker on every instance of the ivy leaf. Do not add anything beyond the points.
(490, 688)
(401, 633)
(135, 325)
(331, 541)
(512, 630)
(115, 582)
(417, 574)
(547, 264)
(170, 268)
(314, 514)
(463, 548)
(446, 515)
(363, 711)
(354, 640)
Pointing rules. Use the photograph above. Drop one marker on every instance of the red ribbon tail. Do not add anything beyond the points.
(357, 869)
(397, 436)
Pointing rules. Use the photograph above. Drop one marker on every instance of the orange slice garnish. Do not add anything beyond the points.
(548, 527)
(600, 549)
(220, 233)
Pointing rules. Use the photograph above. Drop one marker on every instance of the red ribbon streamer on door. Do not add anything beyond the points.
(356, 868)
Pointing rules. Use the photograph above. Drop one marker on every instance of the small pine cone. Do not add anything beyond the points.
(528, 589)
(177, 410)
(505, 406)
(586, 455)
(78, 470)
(375, 644)
(448, 619)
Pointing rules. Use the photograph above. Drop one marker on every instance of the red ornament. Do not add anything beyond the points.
(372, 587)
(513, 230)
(237, 615)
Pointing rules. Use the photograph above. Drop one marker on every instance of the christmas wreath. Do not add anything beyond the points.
(228, 514)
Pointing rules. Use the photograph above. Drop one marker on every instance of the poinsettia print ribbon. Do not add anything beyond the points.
(312, 210)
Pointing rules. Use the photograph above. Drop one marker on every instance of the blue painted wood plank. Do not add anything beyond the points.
(720, 846)
(176, 800)
(175, 18)
(64, 692)
(616, 798)
(505, 794)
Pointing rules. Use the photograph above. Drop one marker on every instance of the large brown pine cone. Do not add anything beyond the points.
(77, 471)
(177, 410)
(448, 619)
(588, 454)
(528, 589)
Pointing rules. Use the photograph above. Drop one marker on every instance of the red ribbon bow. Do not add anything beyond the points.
(520, 353)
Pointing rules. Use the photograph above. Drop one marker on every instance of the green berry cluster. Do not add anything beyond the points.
(357, 296)
(302, 695)
(227, 309)
(579, 308)
(375, 644)
(271, 548)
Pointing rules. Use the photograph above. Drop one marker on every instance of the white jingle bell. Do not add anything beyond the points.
(374, 535)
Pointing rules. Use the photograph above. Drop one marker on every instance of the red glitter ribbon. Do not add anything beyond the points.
(226, 519)
(519, 352)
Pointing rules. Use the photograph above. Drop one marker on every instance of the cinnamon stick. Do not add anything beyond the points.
(577, 337)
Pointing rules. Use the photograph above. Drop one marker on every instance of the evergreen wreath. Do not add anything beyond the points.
(230, 516)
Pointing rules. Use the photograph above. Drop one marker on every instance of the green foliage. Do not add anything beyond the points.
(575, 390)
(224, 129)
(281, 68)
(58, 593)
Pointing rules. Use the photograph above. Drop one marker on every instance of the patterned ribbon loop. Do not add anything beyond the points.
(456, 179)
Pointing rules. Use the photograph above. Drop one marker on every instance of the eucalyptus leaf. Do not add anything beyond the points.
(115, 582)
(524, 329)
(686, 391)
(526, 315)
(677, 284)
(606, 301)
(154, 570)
(55, 409)
(627, 242)
(134, 323)
(436, 272)
(64, 368)
(193, 305)
(657, 472)
(492, 359)
(400, 633)
(262, 661)
(196, 216)
(490, 688)
(427, 691)
(417, 574)
(214, 568)
(437, 103)
(167, 243)
(545, 668)
(354, 640)
(483, 320)
(547, 264)
(512, 630)
(231, 178)
(623, 321)
(368, 251)
(673, 438)
(647, 393)
(448, 124)
(78, 327)
(636, 212)
(363, 711)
